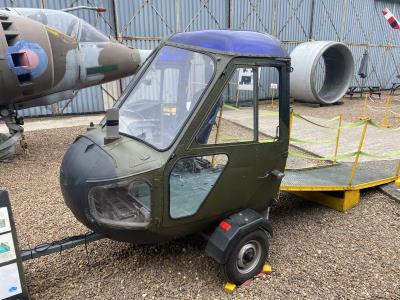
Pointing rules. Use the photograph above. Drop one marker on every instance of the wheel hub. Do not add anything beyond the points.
(249, 256)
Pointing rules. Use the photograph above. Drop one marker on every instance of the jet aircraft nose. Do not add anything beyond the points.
(109, 61)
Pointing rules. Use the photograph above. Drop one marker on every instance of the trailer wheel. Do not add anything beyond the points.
(247, 258)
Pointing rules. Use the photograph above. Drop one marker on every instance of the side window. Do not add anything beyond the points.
(268, 104)
(191, 180)
(232, 118)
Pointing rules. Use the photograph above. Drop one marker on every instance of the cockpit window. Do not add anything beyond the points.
(60, 21)
(65, 23)
(162, 100)
(91, 34)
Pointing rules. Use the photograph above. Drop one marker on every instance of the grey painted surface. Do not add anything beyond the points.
(339, 70)
(143, 24)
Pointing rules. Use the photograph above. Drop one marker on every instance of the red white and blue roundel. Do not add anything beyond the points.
(391, 18)
(27, 58)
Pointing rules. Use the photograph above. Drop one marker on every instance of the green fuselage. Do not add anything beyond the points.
(158, 181)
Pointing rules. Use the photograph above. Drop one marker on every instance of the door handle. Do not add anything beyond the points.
(274, 173)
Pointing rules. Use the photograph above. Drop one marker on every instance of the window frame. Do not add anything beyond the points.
(208, 193)
(254, 64)
(129, 89)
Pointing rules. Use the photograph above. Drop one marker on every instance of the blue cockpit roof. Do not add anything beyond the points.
(243, 42)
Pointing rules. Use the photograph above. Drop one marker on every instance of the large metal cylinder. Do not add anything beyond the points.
(307, 84)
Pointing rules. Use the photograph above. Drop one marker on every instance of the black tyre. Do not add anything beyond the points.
(247, 258)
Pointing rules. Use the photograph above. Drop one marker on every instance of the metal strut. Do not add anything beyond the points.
(59, 246)
(7, 142)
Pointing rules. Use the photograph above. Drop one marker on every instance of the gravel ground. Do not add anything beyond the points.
(316, 252)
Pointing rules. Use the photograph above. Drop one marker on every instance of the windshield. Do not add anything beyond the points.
(61, 21)
(65, 23)
(164, 97)
(91, 34)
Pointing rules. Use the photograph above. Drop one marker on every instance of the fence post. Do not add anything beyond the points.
(364, 114)
(218, 125)
(355, 164)
(385, 122)
(290, 123)
(337, 138)
(272, 98)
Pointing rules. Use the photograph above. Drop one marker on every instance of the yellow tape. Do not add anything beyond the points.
(370, 122)
(384, 155)
(344, 155)
(296, 115)
(230, 107)
(301, 155)
(266, 141)
(325, 141)
(353, 125)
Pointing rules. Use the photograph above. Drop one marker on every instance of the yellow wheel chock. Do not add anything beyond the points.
(231, 287)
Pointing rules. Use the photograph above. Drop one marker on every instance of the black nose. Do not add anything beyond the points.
(84, 161)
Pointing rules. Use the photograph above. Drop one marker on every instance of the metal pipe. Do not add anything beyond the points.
(116, 20)
(355, 164)
(99, 9)
(59, 246)
(312, 16)
(230, 14)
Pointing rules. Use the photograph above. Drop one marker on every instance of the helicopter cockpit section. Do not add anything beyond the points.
(168, 162)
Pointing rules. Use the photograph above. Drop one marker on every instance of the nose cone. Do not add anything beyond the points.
(126, 60)
(83, 162)
(107, 62)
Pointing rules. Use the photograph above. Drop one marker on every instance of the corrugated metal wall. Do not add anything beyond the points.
(143, 23)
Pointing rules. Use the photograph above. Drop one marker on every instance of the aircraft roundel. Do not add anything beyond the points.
(27, 57)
